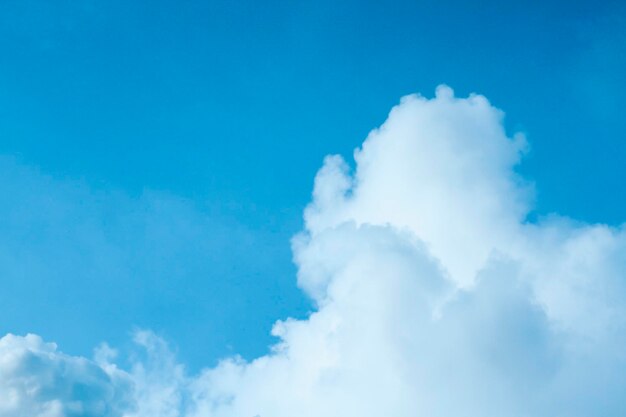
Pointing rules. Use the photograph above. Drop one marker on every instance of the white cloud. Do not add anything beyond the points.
(435, 297)
(38, 380)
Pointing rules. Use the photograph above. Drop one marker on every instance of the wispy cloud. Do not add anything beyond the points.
(92, 262)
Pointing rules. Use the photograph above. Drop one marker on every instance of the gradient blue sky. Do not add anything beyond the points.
(156, 156)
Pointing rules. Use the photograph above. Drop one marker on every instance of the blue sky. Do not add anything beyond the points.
(157, 156)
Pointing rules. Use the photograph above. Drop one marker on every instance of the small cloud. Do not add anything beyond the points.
(38, 380)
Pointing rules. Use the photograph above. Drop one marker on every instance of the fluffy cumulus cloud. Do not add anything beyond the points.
(37, 380)
(434, 295)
